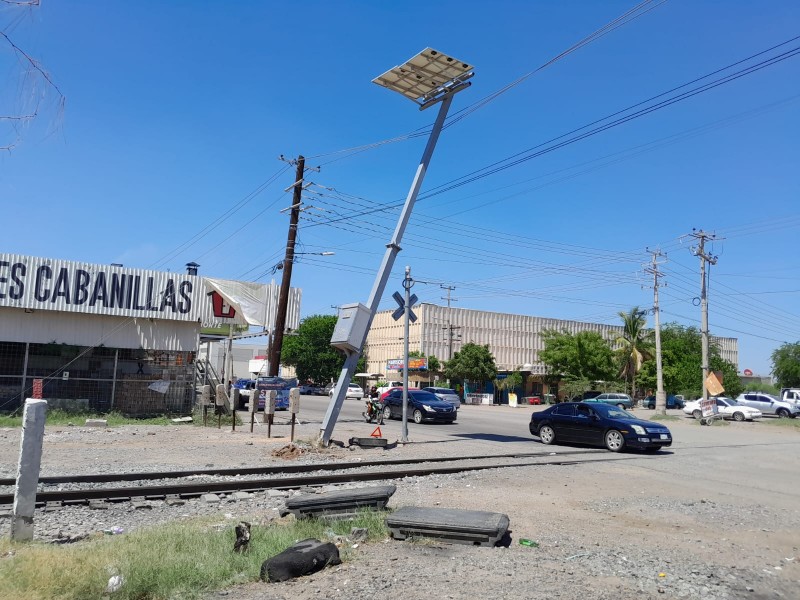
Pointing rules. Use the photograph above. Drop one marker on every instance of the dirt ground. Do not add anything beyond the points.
(717, 516)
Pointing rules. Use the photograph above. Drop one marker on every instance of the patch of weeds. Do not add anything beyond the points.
(186, 560)
(778, 422)
(658, 417)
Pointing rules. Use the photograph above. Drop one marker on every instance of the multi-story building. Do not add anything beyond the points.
(514, 340)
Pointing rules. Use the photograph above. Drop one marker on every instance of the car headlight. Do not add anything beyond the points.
(428, 408)
(638, 429)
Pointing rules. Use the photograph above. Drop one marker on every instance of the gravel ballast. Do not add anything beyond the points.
(688, 523)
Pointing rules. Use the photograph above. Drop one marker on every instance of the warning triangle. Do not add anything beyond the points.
(377, 433)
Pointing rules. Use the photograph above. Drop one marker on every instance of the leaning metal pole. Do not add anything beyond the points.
(392, 249)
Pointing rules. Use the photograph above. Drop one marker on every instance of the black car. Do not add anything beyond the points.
(672, 402)
(599, 425)
(422, 406)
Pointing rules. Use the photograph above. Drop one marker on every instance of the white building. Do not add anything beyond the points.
(514, 340)
(109, 337)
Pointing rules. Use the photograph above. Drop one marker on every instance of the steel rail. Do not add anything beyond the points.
(276, 470)
(191, 490)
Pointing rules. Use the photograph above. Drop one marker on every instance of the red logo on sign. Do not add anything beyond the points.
(221, 307)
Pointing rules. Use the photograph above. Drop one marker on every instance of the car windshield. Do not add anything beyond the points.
(612, 412)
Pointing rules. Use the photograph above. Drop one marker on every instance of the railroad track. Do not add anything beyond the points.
(277, 479)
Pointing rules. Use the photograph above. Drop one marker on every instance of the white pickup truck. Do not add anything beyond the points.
(791, 395)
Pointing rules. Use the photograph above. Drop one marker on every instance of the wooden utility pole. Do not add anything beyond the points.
(661, 397)
(286, 279)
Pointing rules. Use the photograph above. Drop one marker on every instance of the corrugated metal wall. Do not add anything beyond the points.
(44, 327)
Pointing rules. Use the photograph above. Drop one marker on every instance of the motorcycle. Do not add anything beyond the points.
(374, 411)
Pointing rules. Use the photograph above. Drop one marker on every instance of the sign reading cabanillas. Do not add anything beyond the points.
(50, 284)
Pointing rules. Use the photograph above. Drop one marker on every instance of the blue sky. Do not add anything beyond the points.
(175, 115)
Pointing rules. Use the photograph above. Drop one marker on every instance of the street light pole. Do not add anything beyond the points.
(286, 278)
(428, 78)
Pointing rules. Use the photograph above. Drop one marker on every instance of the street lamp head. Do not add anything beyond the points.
(427, 78)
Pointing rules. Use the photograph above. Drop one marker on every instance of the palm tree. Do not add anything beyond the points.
(635, 345)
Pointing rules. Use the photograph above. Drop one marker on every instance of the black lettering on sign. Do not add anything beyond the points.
(61, 288)
(117, 299)
(168, 296)
(3, 266)
(99, 292)
(185, 305)
(136, 284)
(149, 303)
(41, 292)
(15, 291)
(81, 292)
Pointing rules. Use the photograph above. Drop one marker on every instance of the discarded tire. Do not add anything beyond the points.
(304, 558)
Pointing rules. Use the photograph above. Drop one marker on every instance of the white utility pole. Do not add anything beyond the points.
(652, 269)
(699, 250)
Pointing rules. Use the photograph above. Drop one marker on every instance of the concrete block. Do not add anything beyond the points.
(96, 423)
(339, 504)
(474, 527)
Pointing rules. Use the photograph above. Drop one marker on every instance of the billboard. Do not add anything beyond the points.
(414, 364)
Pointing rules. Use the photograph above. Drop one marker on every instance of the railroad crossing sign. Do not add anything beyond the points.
(402, 310)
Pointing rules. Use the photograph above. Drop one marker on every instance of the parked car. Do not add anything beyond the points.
(388, 386)
(305, 389)
(385, 393)
(672, 402)
(768, 405)
(618, 400)
(727, 408)
(585, 396)
(354, 391)
(422, 406)
(445, 394)
(598, 424)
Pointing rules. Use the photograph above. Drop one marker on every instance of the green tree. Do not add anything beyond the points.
(681, 356)
(635, 345)
(786, 365)
(310, 352)
(473, 363)
(584, 356)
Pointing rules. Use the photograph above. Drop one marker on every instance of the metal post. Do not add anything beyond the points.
(114, 378)
(392, 249)
(25, 371)
(407, 284)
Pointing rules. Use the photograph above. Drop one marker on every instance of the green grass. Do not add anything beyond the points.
(58, 416)
(658, 417)
(185, 560)
(62, 417)
(791, 423)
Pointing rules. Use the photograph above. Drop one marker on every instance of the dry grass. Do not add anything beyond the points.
(184, 560)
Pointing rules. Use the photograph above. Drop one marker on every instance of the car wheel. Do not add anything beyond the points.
(697, 413)
(547, 435)
(782, 413)
(387, 413)
(622, 406)
(651, 406)
(417, 416)
(737, 416)
(614, 440)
